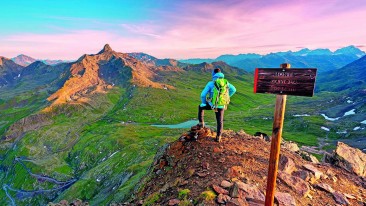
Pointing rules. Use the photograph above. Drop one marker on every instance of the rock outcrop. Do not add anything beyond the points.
(349, 158)
(234, 172)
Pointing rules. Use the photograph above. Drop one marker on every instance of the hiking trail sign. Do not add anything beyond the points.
(299, 82)
(282, 81)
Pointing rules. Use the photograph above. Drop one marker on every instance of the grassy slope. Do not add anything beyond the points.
(108, 157)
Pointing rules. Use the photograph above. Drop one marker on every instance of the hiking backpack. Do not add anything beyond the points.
(221, 93)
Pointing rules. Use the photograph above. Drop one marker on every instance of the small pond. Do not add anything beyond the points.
(183, 125)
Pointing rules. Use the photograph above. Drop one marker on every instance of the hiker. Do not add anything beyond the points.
(212, 101)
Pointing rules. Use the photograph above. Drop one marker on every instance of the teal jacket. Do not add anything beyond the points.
(209, 89)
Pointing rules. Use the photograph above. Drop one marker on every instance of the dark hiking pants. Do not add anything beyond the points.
(219, 117)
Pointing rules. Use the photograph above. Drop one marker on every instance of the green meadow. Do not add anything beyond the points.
(107, 144)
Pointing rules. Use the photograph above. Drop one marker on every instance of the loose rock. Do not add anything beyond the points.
(285, 199)
(325, 187)
(237, 202)
(222, 199)
(297, 184)
(286, 164)
(220, 190)
(235, 171)
(340, 198)
(305, 175)
(226, 184)
(251, 191)
(174, 202)
(291, 146)
(314, 170)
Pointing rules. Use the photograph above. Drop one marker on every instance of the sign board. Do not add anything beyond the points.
(299, 82)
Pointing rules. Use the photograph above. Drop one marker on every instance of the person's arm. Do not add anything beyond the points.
(232, 90)
(205, 91)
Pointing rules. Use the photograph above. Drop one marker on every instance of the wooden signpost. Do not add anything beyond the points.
(283, 81)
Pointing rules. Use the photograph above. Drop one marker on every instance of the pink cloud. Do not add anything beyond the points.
(211, 29)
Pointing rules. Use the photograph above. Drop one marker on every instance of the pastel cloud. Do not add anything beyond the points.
(209, 29)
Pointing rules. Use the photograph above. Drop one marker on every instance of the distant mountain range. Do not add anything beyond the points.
(323, 59)
(25, 60)
(84, 129)
(351, 76)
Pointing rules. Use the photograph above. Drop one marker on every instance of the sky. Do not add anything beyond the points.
(180, 29)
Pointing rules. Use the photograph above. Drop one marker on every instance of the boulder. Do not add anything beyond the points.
(251, 191)
(308, 157)
(263, 136)
(291, 146)
(296, 183)
(286, 164)
(285, 199)
(351, 159)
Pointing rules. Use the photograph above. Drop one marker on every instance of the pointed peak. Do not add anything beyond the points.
(106, 48)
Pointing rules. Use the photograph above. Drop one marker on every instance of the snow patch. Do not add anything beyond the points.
(351, 112)
(356, 128)
(349, 101)
(342, 132)
(18, 75)
(301, 115)
(329, 118)
(113, 154)
(363, 122)
(324, 128)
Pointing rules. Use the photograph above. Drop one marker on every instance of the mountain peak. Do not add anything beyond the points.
(350, 50)
(23, 60)
(106, 48)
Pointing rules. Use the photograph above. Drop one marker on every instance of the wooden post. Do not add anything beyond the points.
(279, 115)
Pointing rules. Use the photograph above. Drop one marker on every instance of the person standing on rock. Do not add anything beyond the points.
(216, 96)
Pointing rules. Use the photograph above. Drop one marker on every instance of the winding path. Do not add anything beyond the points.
(30, 193)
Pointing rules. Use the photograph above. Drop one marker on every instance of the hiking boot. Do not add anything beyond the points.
(218, 139)
(200, 125)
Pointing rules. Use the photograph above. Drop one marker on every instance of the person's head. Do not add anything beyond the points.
(217, 70)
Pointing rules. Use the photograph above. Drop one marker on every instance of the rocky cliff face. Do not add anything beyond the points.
(97, 73)
(234, 172)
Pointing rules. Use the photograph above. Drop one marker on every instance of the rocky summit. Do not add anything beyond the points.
(100, 72)
(196, 170)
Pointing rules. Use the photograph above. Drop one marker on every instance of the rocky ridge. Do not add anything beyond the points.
(97, 73)
(234, 172)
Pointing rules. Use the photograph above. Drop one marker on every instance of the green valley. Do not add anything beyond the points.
(97, 144)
